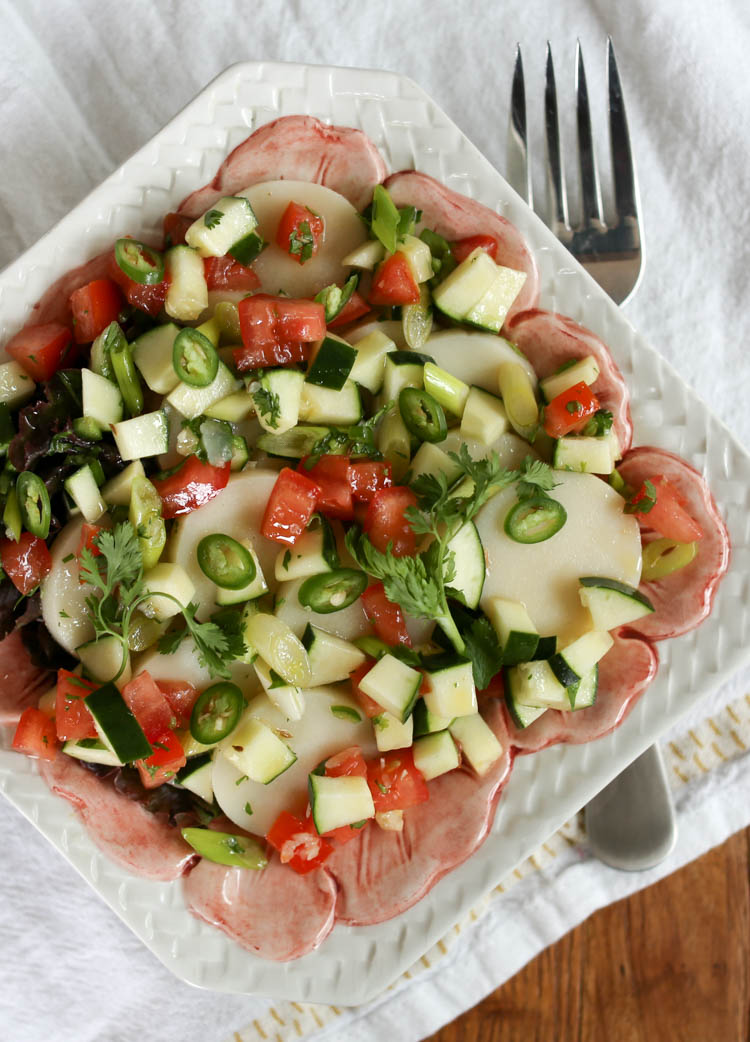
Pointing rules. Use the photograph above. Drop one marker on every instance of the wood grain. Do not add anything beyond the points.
(669, 964)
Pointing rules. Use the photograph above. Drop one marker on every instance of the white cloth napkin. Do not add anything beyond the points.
(82, 85)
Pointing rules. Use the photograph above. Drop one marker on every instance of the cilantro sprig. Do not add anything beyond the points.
(268, 405)
(421, 584)
(116, 578)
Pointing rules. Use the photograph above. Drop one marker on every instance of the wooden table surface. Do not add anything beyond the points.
(669, 964)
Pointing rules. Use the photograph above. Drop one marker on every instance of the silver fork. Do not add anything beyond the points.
(631, 823)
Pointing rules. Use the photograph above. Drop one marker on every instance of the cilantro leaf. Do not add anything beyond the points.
(408, 581)
(268, 405)
(644, 501)
(536, 477)
(483, 648)
(213, 218)
(599, 424)
(357, 440)
(302, 241)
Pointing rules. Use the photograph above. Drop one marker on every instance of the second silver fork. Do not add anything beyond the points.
(631, 823)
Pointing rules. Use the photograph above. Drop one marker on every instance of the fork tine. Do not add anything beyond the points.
(623, 167)
(519, 173)
(591, 201)
(558, 200)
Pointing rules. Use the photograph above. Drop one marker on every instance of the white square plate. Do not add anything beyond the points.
(354, 963)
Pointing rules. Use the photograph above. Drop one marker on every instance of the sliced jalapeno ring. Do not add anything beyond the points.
(535, 519)
(216, 713)
(194, 358)
(423, 416)
(225, 561)
(332, 591)
(140, 263)
(34, 504)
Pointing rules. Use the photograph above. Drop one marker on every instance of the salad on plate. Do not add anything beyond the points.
(313, 521)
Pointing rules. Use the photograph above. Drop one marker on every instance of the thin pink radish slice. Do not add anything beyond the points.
(624, 674)
(125, 831)
(455, 217)
(683, 599)
(384, 873)
(296, 148)
(21, 683)
(274, 912)
(548, 339)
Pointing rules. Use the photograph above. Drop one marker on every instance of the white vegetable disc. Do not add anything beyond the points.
(597, 539)
(343, 232)
(319, 734)
(475, 357)
(237, 511)
(63, 595)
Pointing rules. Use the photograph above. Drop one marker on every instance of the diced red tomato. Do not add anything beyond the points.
(395, 783)
(35, 735)
(277, 330)
(228, 273)
(386, 524)
(349, 763)
(86, 542)
(386, 617)
(394, 283)
(175, 225)
(164, 762)
(146, 298)
(355, 307)
(72, 718)
(25, 562)
(41, 350)
(331, 475)
(298, 843)
(148, 705)
(181, 696)
(495, 689)
(290, 507)
(667, 516)
(300, 232)
(345, 833)
(366, 477)
(369, 706)
(94, 306)
(191, 486)
(464, 247)
(570, 410)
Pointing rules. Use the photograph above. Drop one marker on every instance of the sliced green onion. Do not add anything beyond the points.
(416, 319)
(216, 713)
(225, 561)
(144, 514)
(223, 848)
(535, 519)
(34, 504)
(332, 591)
(385, 218)
(423, 415)
(126, 374)
(140, 263)
(662, 557)
(194, 358)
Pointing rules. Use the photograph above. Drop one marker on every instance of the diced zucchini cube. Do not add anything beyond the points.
(577, 659)
(490, 310)
(82, 488)
(171, 590)
(393, 685)
(435, 754)
(369, 365)
(187, 295)
(612, 603)
(332, 363)
(16, 386)
(331, 658)
(430, 459)
(585, 370)
(192, 401)
(234, 408)
(336, 802)
(256, 588)
(484, 418)
(116, 492)
(152, 353)
(145, 435)
(277, 403)
(287, 698)
(518, 634)
(391, 733)
(478, 742)
(452, 691)
(222, 226)
(102, 400)
(418, 257)
(256, 751)
(466, 285)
